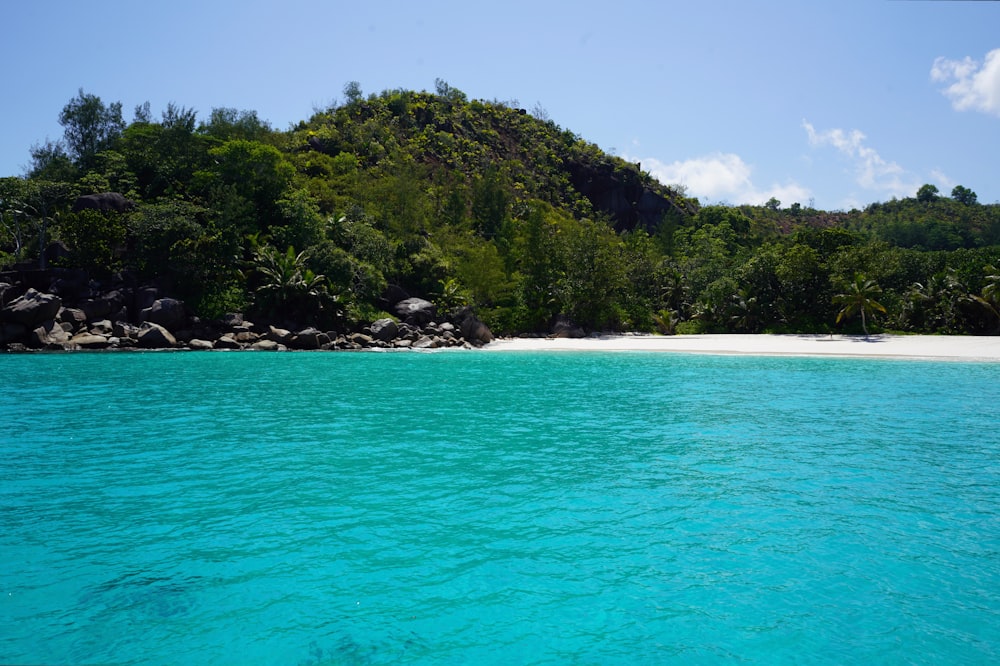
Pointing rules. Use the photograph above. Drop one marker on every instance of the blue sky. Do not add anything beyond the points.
(838, 104)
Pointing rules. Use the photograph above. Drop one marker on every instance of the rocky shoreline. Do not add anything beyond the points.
(62, 310)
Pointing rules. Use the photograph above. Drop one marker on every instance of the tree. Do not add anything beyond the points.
(858, 297)
(963, 195)
(90, 127)
(927, 193)
(289, 288)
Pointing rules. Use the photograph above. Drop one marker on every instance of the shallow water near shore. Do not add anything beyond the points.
(525, 507)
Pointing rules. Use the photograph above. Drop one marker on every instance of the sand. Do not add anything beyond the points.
(936, 347)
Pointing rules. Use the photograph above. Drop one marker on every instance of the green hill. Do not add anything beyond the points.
(469, 202)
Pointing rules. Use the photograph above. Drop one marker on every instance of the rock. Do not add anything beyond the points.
(49, 335)
(102, 327)
(123, 329)
(96, 309)
(167, 312)
(476, 332)
(309, 338)
(245, 337)
(426, 342)
(89, 341)
(10, 332)
(8, 292)
(415, 311)
(200, 345)
(31, 309)
(73, 316)
(280, 335)
(266, 345)
(563, 327)
(232, 319)
(227, 342)
(384, 329)
(402, 344)
(360, 339)
(153, 336)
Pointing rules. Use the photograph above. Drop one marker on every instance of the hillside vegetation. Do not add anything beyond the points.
(468, 202)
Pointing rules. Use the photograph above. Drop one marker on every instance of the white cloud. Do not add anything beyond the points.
(721, 177)
(971, 84)
(872, 172)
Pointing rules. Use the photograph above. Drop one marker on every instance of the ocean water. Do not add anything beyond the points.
(509, 508)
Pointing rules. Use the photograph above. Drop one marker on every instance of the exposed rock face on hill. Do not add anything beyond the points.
(621, 194)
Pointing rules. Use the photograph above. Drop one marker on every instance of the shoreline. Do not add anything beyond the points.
(928, 347)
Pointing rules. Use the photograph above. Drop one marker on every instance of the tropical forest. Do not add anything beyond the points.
(468, 204)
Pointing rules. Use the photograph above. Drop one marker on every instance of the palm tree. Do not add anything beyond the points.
(287, 285)
(989, 296)
(859, 298)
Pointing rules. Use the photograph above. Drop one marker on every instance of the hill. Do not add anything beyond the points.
(468, 202)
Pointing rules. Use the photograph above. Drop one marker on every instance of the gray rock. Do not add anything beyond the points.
(199, 344)
(167, 312)
(309, 338)
(360, 339)
(384, 329)
(73, 316)
(154, 336)
(227, 342)
(415, 311)
(31, 309)
(10, 332)
(89, 341)
(426, 342)
(564, 327)
(476, 332)
(102, 327)
(49, 335)
(266, 345)
(280, 335)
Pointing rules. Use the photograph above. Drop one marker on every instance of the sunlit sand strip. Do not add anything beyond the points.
(958, 348)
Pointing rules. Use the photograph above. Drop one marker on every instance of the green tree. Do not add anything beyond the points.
(858, 298)
(927, 193)
(90, 127)
(289, 289)
(963, 195)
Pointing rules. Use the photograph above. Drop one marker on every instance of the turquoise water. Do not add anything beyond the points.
(339, 508)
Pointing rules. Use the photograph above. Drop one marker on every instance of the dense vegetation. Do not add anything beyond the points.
(479, 203)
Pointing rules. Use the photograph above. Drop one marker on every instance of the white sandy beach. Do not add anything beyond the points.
(939, 347)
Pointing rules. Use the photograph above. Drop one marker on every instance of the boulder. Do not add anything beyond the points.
(309, 338)
(102, 327)
(227, 342)
(384, 329)
(72, 316)
(360, 339)
(415, 311)
(49, 335)
(154, 336)
(95, 309)
(167, 312)
(31, 309)
(200, 345)
(280, 335)
(266, 345)
(564, 327)
(475, 331)
(89, 341)
(427, 342)
(10, 332)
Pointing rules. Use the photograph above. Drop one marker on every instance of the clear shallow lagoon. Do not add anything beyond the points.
(338, 508)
